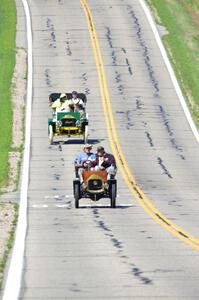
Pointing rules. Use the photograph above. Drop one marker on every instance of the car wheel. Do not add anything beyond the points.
(86, 135)
(113, 193)
(76, 194)
(50, 134)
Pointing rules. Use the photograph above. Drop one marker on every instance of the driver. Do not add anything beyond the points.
(82, 160)
(59, 102)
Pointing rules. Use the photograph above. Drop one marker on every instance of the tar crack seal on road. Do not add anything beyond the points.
(145, 49)
(166, 172)
(48, 77)
(169, 130)
(50, 27)
(134, 270)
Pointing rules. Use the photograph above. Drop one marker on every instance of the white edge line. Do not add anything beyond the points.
(13, 281)
(170, 69)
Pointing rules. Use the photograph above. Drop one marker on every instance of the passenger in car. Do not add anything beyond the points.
(105, 161)
(75, 103)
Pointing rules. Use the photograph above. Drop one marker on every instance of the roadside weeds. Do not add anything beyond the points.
(180, 18)
(9, 210)
(8, 221)
(18, 106)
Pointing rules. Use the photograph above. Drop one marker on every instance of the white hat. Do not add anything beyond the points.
(87, 146)
(62, 95)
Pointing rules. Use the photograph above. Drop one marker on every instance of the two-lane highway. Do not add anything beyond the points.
(107, 49)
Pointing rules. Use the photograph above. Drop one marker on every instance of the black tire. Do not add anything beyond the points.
(76, 173)
(86, 134)
(113, 194)
(50, 134)
(76, 194)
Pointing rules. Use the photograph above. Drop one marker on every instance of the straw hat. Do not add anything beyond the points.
(87, 146)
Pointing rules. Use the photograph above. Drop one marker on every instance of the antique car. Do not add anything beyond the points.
(95, 185)
(68, 124)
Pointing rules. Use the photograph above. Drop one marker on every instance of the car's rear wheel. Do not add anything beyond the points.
(50, 134)
(86, 135)
(76, 194)
(113, 193)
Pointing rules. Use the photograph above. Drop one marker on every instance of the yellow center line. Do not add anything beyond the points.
(116, 148)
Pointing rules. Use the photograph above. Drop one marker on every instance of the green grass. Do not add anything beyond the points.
(7, 63)
(10, 241)
(181, 19)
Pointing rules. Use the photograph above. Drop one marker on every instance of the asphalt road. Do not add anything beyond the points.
(96, 252)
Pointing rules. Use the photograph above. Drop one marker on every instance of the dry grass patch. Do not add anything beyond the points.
(8, 217)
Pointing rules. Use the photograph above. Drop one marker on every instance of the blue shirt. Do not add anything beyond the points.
(81, 157)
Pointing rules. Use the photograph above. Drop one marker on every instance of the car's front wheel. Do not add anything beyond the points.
(86, 135)
(113, 193)
(50, 134)
(77, 193)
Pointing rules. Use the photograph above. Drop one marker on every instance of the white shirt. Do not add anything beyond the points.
(76, 101)
(100, 160)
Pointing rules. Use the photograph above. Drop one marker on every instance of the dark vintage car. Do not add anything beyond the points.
(68, 124)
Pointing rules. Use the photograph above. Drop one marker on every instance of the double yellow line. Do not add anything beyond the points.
(116, 149)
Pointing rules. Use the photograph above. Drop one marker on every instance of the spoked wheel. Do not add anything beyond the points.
(76, 193)
(113, 193)
(86, 135)
(50, 134)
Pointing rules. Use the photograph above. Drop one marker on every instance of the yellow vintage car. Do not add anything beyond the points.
(95, 186)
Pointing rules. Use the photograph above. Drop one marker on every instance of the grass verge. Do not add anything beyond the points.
(7, 63)
(181, 19)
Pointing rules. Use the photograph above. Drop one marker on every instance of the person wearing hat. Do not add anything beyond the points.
(105, 161)
(60, 102)
(75, 103)
(82, 159)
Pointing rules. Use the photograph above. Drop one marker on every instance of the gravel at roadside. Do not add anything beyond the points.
(7, 218)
